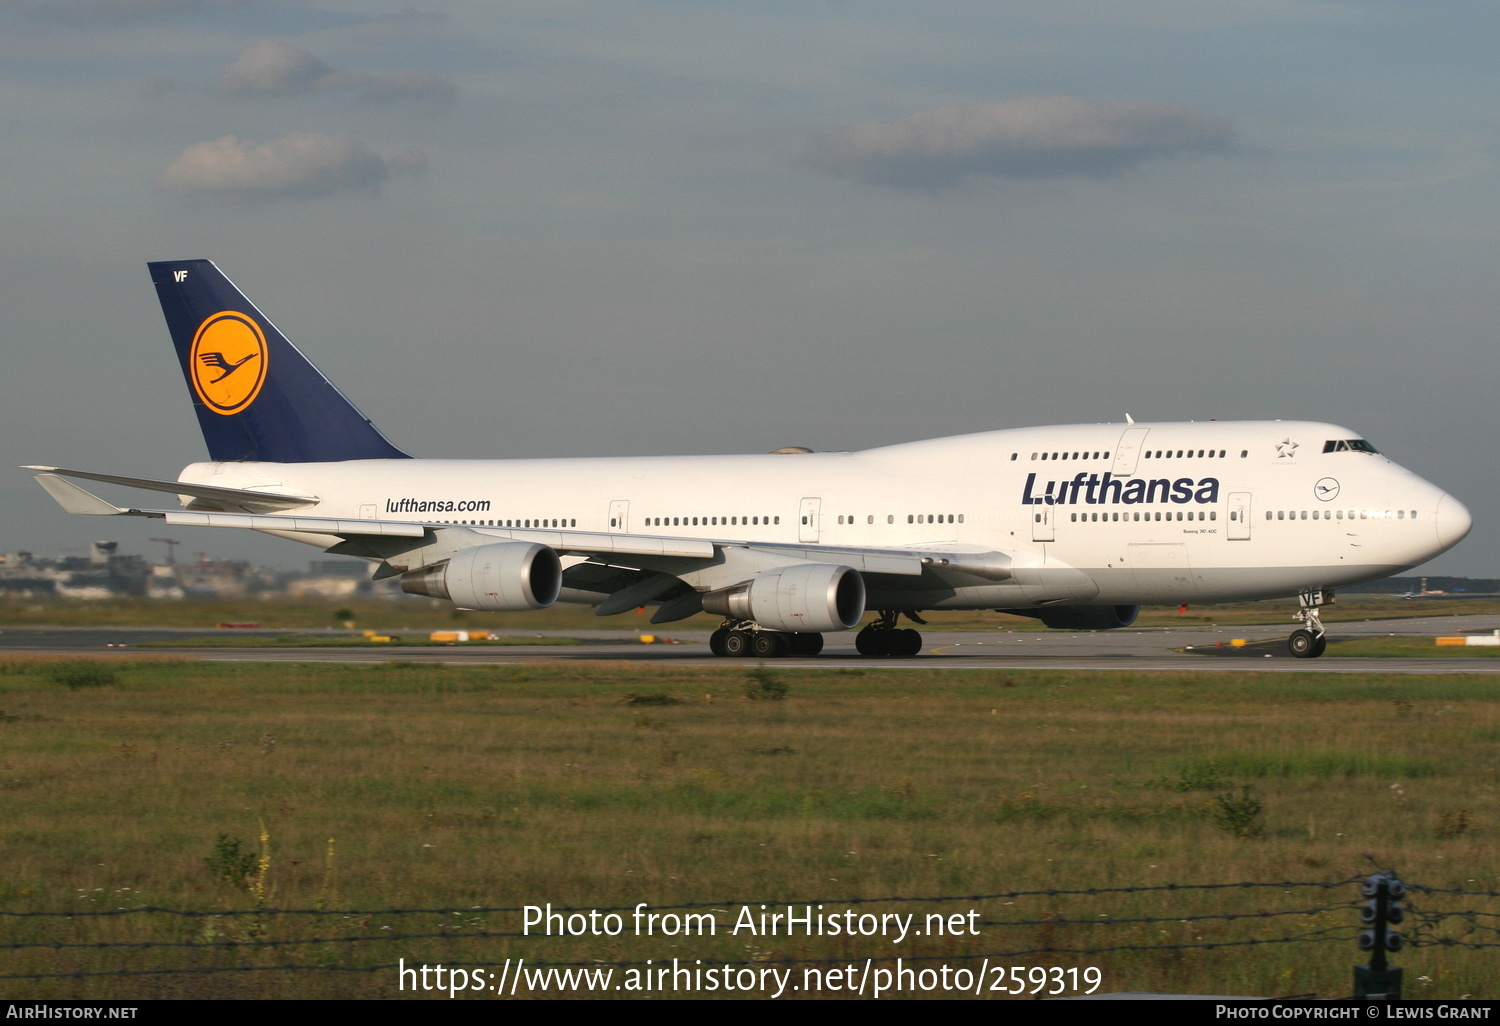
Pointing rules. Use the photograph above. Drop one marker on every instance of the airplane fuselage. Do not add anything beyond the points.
(1088, 514)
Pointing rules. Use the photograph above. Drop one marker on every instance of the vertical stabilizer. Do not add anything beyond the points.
(257, 397)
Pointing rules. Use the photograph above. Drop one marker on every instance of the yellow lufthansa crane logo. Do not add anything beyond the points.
(228, 362)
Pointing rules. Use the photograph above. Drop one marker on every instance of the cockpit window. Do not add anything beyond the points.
(1348, 445)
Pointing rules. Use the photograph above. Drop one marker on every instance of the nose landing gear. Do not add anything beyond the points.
(1310, 641)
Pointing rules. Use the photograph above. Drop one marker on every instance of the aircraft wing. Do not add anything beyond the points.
(76, 499)
(403, 545)
(223, 498)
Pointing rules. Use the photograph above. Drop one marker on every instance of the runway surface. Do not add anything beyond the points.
(1152, 648)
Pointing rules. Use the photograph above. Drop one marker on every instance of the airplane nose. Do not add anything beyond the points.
(1453, 521)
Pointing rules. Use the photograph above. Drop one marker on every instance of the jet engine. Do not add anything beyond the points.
(505, 576)
(1082, 618)
(805, 597)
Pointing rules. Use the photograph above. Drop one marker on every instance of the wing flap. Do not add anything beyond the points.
(310, 525)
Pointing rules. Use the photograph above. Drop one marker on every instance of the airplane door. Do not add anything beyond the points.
(1041, 522)
(807, 520)
(1128, 450)
(1238, 528)
(619, 516)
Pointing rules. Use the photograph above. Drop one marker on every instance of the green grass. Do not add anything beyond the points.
(610, 784)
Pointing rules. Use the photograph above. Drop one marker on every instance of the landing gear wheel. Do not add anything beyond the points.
(1322, 645)
(769, 644)
(905, 643)
(805, 644)
(737, 644)
(1304, 644)
(870, 642)
(716, 641)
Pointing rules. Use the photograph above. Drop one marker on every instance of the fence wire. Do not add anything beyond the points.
(252, 931)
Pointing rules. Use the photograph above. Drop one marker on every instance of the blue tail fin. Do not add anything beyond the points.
(257, 397)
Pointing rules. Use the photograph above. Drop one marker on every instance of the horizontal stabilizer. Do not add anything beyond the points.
(228, 496)
(75, 499)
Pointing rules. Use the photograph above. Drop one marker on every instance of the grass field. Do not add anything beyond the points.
(149, 782)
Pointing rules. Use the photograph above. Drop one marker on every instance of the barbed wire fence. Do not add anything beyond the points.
(154, 941)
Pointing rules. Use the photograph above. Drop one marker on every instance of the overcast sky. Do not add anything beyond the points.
(623, 227)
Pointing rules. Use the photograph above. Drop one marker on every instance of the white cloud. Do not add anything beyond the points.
(271, 66)
(299, 164)
(1030, 137)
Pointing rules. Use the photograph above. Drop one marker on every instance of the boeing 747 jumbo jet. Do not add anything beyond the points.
(1076, 525)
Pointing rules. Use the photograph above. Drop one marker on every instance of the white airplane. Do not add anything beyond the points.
(1075, 525)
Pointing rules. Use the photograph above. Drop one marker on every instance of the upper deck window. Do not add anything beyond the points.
(1348, 445)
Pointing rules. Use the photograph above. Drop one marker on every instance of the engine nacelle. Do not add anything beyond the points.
(1082, 618)
(805, 597)
(505, 576)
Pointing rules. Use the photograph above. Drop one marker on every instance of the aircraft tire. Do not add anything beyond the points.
(805, 644)
(716, 641)
(769, 645)
(1303, 644)
(737, 644)
(1322, 646)
(906, 643)
(872, 643)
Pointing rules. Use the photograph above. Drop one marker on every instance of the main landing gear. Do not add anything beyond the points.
(741, 638)
(1310, 641)
(744, 639)
(884, 638)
